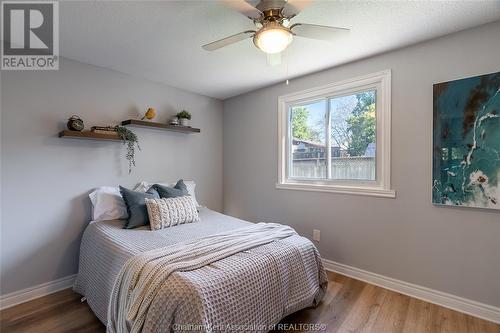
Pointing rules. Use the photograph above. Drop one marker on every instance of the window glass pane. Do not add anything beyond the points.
(308, 146)
(353, 136)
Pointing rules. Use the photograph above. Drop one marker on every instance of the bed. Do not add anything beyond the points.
(247, 291)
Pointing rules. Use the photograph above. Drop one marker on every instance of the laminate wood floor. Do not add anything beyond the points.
(349, 306)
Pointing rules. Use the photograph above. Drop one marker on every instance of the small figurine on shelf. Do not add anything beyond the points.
(174, 121)
(150, 114)
(184, 118)
(75, 123)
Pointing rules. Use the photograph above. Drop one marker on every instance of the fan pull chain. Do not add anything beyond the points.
(286, 56)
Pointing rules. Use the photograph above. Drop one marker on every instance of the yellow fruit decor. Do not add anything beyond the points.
(150, 114)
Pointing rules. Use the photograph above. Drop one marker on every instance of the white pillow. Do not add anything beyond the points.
(169, 212)
(191, 186)
(108, 204)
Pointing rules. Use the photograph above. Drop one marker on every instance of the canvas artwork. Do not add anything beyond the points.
(466, 142)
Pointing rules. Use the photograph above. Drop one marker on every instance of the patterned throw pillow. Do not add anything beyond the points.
(168, 212)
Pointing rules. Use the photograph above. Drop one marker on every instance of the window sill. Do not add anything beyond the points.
(368, 191)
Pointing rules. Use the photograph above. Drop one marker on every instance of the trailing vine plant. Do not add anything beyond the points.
(130, 139)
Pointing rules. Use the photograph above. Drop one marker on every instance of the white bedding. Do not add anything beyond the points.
(258, 286)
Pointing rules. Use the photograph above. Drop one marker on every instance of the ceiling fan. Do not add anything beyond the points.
(272, 20)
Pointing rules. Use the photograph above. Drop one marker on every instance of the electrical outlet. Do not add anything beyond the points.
(316, 235)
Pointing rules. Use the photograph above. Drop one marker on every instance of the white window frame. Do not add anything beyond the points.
(381, 187)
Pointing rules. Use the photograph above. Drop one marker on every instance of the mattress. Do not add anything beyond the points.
(106, 246)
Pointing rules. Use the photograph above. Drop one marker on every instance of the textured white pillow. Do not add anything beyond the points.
(107, 204)
(191, 186)
(169, 212)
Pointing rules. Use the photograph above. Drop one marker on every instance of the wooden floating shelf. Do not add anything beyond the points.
(89, 135)
(131, 122)
(166, 127)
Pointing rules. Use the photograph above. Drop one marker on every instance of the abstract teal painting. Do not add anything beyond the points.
(466, 142)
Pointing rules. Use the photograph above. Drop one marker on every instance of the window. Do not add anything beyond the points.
(336, 138)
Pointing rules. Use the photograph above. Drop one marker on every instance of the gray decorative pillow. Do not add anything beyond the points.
(169, 212)
(136, 206)
(179, 190)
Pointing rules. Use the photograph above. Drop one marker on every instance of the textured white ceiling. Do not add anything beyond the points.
(160, 40)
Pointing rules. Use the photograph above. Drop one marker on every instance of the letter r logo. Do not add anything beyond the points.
(28, 28)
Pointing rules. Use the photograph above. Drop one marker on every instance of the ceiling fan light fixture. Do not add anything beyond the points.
(273, 38)
(272, 20)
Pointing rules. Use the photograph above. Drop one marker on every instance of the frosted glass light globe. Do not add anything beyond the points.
(273, 38)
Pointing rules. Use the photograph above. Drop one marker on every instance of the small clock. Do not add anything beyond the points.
(75, 123)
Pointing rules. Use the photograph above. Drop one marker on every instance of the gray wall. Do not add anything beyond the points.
(46, 180)
(449, 249)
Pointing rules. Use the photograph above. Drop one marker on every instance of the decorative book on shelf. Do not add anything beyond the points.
(103, 129)
(166, 127)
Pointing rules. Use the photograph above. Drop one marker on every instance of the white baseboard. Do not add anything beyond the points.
(28, 294)
(473, 308)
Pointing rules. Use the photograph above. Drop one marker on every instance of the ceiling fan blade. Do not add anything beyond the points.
(321, 32)
(244, 8)
(274, 59)
(293, 7)
(228, 40)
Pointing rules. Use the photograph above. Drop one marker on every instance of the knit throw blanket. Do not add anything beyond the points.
(141, 277)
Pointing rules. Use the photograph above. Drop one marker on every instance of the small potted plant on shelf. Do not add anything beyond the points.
(184, 118)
